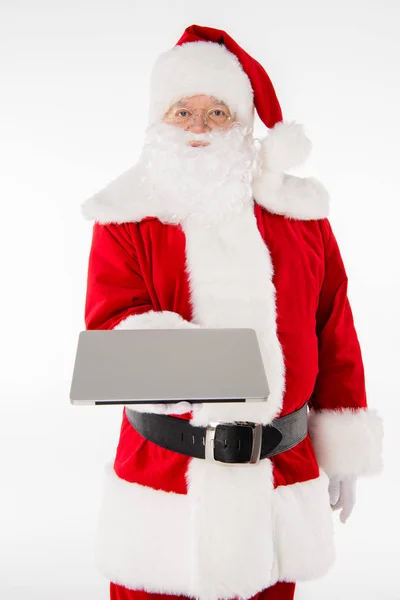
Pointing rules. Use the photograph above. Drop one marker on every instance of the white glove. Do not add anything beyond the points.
(178, 408)
(342, 495)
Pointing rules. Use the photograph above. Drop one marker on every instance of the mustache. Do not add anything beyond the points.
(165, 133)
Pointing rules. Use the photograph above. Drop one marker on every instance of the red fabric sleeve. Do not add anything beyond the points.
(345, 433)
(115, 286)
(340, 382)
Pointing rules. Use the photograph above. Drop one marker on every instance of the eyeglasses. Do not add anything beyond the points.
(214, 117)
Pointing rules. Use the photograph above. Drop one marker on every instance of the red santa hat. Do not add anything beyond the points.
(208, 61)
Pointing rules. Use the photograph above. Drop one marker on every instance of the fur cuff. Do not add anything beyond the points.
(347, 442)
(156, 320)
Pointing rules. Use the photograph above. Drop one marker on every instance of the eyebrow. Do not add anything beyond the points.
(214, 103)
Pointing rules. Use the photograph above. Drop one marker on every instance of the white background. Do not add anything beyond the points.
(74, 100)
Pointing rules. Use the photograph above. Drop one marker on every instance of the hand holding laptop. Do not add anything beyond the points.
(175, 408)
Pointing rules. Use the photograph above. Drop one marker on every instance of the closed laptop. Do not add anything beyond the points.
(168, 365)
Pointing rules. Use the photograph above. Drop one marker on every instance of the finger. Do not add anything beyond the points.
(345, 513)
(334, 492)
(348, 496)
(180, 408)
(334, 498)
(338, 505)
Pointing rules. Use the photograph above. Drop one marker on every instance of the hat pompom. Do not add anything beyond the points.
(303, 198)
(285, 147)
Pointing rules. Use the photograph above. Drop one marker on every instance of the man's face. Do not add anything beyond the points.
(199, 114)
(200, 160)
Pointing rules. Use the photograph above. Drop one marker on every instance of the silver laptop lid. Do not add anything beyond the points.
(168, 365)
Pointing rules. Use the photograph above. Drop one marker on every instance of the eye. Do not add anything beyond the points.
(183, 114)
(219, 113)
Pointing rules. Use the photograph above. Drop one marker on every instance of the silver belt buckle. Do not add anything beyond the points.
(256, 441)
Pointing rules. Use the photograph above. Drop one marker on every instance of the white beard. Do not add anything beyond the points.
(208, 183)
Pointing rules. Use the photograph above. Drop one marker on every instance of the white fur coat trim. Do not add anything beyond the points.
(347, 442)
(125, 199)
(230, 277)
(149, 539)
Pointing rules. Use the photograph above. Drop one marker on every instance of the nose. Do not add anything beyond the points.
(198, 124)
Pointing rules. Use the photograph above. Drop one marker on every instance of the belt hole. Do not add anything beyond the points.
(238, 445)
(193, 440)
(182, 437)
(225, 444)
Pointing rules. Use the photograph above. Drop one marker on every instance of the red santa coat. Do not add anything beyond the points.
(177, 525)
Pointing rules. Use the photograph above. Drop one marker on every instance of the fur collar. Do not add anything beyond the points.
(124, 199)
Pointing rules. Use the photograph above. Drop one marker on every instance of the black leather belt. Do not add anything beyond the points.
(241, 442)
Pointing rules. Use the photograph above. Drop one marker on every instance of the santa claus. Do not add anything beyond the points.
(207, 230)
